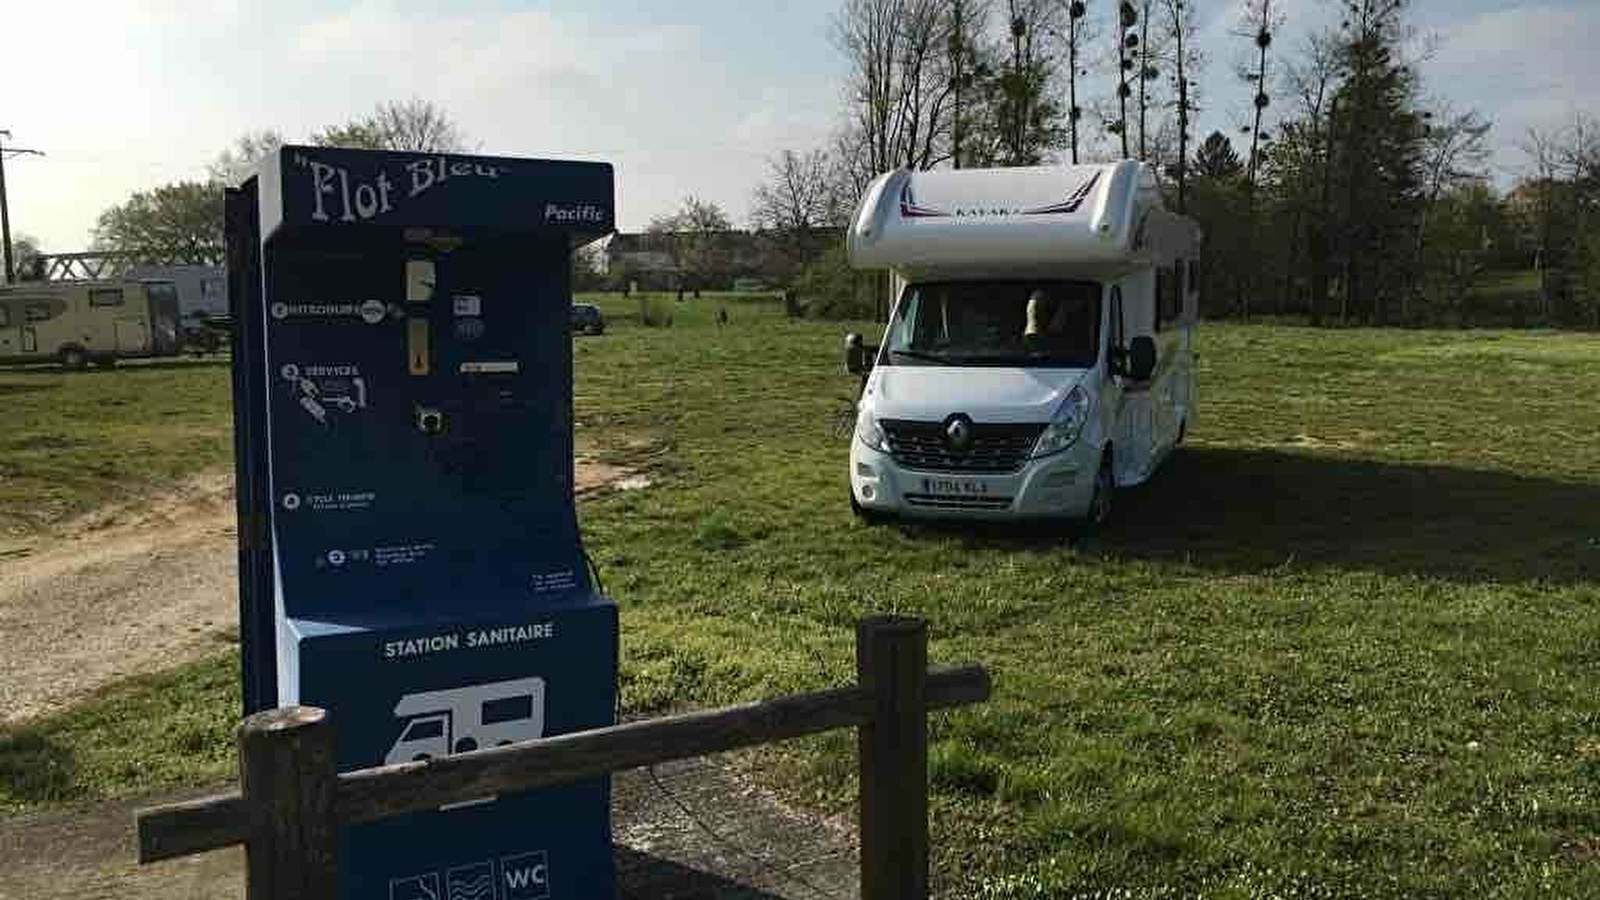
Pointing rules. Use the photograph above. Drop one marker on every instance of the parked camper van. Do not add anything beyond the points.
(1040, 351)
(79, 322)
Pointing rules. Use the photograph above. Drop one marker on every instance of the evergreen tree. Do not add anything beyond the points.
(1216, 159)
(1378, 134)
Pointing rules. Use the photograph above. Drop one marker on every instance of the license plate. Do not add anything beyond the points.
(954, 487)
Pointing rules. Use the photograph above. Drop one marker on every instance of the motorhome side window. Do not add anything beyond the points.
(1029, 323)
(38, 312)
(105, 297)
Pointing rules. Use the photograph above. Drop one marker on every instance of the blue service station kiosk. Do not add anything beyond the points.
(409, 550)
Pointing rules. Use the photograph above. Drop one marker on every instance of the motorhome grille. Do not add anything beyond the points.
(994, 448)
(941, 501)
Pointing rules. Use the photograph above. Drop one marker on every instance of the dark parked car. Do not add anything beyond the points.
(586, 319)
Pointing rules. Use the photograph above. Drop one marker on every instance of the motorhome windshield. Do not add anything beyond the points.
(1040, 324)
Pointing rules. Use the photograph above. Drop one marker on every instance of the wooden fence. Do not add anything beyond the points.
(292, 800)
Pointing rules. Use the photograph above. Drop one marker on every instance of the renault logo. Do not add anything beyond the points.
(958, 432)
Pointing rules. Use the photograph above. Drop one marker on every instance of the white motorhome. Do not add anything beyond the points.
(460, 720)
(79, 322)
(1040, 352)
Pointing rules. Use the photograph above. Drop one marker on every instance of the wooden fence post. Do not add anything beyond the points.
(892, 665)
(288, 776)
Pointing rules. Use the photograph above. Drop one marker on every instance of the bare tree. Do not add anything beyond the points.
(1080, 35)
(900, 89)
(1311, 79)
(1313, 76)
(1127, 40)
(801, 194)
(1456, 149)
(1583, 160)
(1151, 54)
(799, 200)
(1580, 153)
(239, 161)
(416, 125)
(1576, 152)
(1258, 23)
(1455, 153)
(1542, 147)
(692, 236)
(899, 86)
(1186, 60)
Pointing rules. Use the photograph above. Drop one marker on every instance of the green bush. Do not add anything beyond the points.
(828, 288)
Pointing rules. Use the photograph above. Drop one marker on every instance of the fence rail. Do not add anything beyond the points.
(292, 800)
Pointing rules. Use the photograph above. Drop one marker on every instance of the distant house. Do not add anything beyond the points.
(719, 260)
(645, 258)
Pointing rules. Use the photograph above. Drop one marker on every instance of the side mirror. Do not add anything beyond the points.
(1142, 358)
(856, 359)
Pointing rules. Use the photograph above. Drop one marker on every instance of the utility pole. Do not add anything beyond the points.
(5, 212)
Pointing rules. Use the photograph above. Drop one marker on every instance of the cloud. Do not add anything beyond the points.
(156, 88)
(660, 101)
(1524, 67)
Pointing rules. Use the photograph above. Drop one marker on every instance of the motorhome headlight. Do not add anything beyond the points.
(1068, 423)
(869, 433)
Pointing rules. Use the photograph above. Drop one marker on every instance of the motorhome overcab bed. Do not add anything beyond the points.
(1040, 352)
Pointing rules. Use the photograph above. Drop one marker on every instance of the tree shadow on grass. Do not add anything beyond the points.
(34, 768)
(1241, 511)
(1238, 510)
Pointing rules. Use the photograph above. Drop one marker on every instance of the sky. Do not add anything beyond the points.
(688, 97)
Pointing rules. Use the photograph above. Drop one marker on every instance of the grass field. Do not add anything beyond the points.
(1347, 644)
(75, 440)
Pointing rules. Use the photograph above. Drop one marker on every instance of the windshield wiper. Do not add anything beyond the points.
(917, 354)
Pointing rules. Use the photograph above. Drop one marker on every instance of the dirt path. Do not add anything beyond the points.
(133, 588)
(128, 589)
